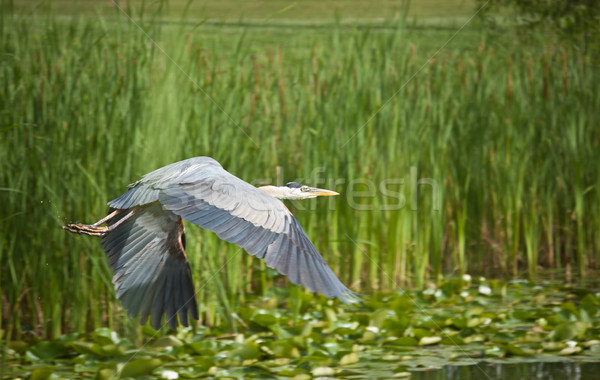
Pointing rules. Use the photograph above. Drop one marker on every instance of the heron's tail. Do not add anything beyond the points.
(86, 229)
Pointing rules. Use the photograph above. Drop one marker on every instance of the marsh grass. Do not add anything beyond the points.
(509, 132)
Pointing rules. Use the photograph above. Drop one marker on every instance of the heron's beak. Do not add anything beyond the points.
(322, 192)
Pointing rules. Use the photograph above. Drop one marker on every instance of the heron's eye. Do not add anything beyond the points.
(304, 188)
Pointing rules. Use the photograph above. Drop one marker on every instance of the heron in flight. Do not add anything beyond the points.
(144, 236)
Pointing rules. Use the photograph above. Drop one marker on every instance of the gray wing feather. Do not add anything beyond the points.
(210, 197)
(151, 274)
(147, 189)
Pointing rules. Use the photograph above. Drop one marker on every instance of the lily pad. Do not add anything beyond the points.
(350, 358)
(570, 350)
(140, 367)
(49, 349)
(569, 330)
(41, 373)
(245, 351)
(520, 351)
(429, 340)
(403, 341)
(323, 371)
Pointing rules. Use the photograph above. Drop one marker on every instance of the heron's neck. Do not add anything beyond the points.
(280, 192)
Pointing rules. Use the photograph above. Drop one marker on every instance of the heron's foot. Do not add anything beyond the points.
(86, 229)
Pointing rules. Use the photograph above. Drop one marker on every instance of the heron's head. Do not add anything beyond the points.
(294, 190)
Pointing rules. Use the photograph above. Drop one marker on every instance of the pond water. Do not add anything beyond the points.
(514, 371)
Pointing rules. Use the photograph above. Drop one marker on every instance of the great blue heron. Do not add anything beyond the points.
(145, 239)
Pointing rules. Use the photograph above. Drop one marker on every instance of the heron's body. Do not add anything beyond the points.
(145, 238)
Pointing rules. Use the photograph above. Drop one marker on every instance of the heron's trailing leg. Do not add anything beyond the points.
(107, 217)
(94, 229)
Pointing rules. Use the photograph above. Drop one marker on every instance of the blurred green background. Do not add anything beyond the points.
(346, 95)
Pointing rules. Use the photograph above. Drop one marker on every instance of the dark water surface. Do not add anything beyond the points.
(514, 371)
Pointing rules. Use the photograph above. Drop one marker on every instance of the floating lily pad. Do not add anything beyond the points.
(106, 374)
(323, 371)
(166, 341)
(89, 348)
(349, 359)
(428, 340)
(49, 349)
(403, 341)
(553, 346)
(570, 350)
(520, 351)
(245, 351)
(140, 367)
(569, 330)
(41, 373)
(264, 319)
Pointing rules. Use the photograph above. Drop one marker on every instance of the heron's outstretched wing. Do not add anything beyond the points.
(240, 213)
(202, 192)
(151, 274)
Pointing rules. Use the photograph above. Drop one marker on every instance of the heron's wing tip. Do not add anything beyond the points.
(152, 276)
(351, 298)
